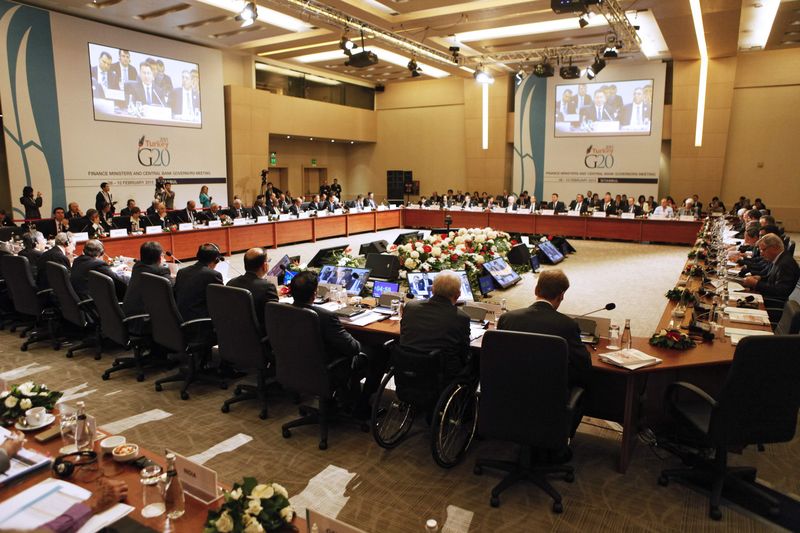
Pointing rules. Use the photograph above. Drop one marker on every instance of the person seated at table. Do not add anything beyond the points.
(283, 204)
(5, 220)
(767, 220)
(779, 283)
(664, 210)
(106, 215)
(162, 217)
(73, 211)
(10, 448)
(755, 265)
(369, 201)
(619, 203)
(187, 215)
(60, 253)
(524, 200)
(92, 259)
(151, 256)
(632, 207)
(136, 222)
(595, 202)
(153, 209)
(543, 317)
(60, 220)
(607, 205)
(314, 204)
(107, 493)
(94, 225)
(511, 203)
(255, 270)
(437, 324)
(213, 213)
(335, 203)
(30, 252)
(716, 205)
(191, 283)
(579, 204)
(126, 211)
(688, 208)
(758, 204)
(555, 204)
(237, 210)
(259, 208)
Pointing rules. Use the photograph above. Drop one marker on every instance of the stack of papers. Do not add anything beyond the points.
(25, 462)
(363, 319)
(476, 331)
(734, 296)
(748, 316)
(629, 358)
(734, 286)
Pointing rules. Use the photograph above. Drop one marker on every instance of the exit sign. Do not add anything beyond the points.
(313, 162)
(273, 158)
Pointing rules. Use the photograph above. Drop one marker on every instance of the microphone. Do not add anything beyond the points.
(175, 259)
(230, 265)
(607, 307)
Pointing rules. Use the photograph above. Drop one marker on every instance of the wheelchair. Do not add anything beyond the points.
(417, 383)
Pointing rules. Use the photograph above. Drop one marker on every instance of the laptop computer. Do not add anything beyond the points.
(384, 303)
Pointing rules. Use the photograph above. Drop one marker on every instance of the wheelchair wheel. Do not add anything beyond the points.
(391, 418)
(454, 422)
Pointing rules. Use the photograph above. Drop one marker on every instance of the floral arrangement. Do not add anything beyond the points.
(698, 253)
(694, 271)
(26, 396)
(681, 295)
(672, 339)
(346, 259)
(251, 508)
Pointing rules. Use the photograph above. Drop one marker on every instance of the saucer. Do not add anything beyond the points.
(46, 421)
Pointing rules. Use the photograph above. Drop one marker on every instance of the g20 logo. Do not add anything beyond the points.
(154, 157)
(599, 160)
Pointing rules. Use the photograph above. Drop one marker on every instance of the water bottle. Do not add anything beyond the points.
(626, 335)
(431, 526)
(503, 306)
(173, 491)
(84, 440)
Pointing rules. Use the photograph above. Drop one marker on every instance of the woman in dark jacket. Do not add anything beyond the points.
(30, 203)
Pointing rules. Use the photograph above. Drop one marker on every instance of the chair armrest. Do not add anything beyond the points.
(677, 386)
(575, 397)
(388, 345)
(43, 292)
(85, 303)
(143, 317)
(338, 362)
(195, 322)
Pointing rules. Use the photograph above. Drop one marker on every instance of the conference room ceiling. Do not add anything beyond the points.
(284, 34)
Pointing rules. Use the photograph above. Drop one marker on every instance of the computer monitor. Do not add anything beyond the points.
(535, 265)
(288, 275)
(379, 287)
(276, 270)
(351, 278)
(550, 252)
(323, 255)
(486, 284)
(420, 284)
(409, 236)
(502, 272)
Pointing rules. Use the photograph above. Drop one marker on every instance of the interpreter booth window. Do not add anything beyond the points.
(290, 82)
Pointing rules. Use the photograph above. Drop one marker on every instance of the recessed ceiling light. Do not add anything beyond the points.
(288, 136)
(311, 138)
(792, 41)
(352, 142)
(333, 141)
(792, 33)
(794, 23)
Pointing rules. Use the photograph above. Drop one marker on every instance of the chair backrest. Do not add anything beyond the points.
(524, 388)
(791, 247)
(795, 294)
(67, 298)
(237, 327)
(19, 280)
(296, 339)
(104, 296)
(417, 375)
(789, 323)
(759, 401)
(165, 320)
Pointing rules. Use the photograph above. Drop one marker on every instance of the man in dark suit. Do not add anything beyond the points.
(29, 250)
(126, 211)
(555, 204)
(437, 324)
(579, 204)
(632, 207)
(583, 98)
(260, 208)
(105, 196)
(566, 106)
(150, 262)
(5, 220)
(296, 208)
(263, 291)
(143, 90)
(237, 211)
(613, 101)
(104, 74)
(314, 204)
(608, 205)
(186, 216)
(183, 100)
(369, 201)
(123, 70)
(191, 283)
(57, 254)
(543, 317)
(598, 111)
(213, 213)
(637, 113)
(92, 260)
(782, 277)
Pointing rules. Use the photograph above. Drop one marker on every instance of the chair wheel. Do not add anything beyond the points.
(69, 354)
(140, 378)
(715, 513)
(223, 386)
(184, 395)
(286, 433)
(663, 480)
(323, 445)
(225, 408)
(24, 348)
(478, 471)
(237, 391)
(494, 501)
(569, 477)
(262, 415)
(159, 388)
(106, 376)
(57, 346)
(558, 508)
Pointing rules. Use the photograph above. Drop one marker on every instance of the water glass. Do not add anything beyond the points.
(356, 300)
(152, 499)
(67, 418)
(395, 307)
(613, 338)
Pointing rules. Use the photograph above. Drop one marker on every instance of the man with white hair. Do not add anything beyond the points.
(688, 208)
(437, 324)
(60, 253)
(782, 277)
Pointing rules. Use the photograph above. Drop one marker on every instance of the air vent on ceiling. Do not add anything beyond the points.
(100, 4)
(161, 12)
(205, 22)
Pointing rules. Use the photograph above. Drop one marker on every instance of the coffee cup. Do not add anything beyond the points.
(35, 415)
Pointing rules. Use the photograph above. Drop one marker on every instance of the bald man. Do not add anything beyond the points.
(256, 268)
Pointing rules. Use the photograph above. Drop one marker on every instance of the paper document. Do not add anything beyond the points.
(25, 462)
(757, 298)
(115, 428)
(476, 331)
(729, 331)
(745, 311)
(228, 445)
(629, 358)
(734, 286)
(364, 319)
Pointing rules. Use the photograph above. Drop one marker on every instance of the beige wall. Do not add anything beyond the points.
(296, 154)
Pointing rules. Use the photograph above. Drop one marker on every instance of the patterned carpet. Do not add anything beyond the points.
(396, 491)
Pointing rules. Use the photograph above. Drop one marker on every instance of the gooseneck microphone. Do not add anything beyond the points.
(230, 265)
(608, 307)
(175, 259)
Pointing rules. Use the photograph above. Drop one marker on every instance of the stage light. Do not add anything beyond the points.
(543, 69)
(248, 14)
(481, 76)
(570, 72)
(595, 68)
(611, 53)
(414, 69)
(519, 76)
(346, 45)
(583, 21)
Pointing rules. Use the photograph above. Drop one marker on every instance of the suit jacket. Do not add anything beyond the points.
(176, 101)
(781, 280)
(208, 215)
(238, 213)
(113, 78)
(338, 341)
(636, 209)
(33, 256)
(558, 206)
(54, 254)
(295, 210)
(609, 208)
(134, 303)
(589, 113)
(184, 216)
(116, 68)
(136, 90)
(127, 223)
(262, 290)
(614, 105)
(261, 211)
(626, 115)
(369, 203)
(436, 324)
(79, 275)
(190, 290)
(570, 107)
(583, 207)
(540, 317)
(100, 199)
(32, 205)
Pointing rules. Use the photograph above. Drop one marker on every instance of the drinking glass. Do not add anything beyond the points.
(152, 499)
(613, 337)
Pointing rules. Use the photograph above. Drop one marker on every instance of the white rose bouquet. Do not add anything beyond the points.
(251, 507)
(24, 396)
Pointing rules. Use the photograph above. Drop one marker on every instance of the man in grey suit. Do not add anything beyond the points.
(104, 74)
(123, 70)
(782, 278)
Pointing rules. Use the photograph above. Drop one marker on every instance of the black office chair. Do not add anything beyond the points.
(791, 247)
(240, 342)
(757, 405)
(116, 327)
(301, 365)
(47, 227)
(190, 341)
(529, 370)
(8, 316)
(775, 308)
(29, 302)
(789, 324)
(79, 313)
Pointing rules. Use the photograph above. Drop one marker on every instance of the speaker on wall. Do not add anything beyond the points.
(519, 255)
(374, 247)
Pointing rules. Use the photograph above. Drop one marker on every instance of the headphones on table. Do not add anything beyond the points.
(64, 466)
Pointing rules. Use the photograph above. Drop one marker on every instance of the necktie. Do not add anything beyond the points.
(124, 74)
(638, 115)
(149, 98)
(105, 80)
(599, 113)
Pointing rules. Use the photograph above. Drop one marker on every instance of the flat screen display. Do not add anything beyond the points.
(379, 287)
(604, 109)
(277, 270)
(420, 284)
(502, 272)
(287, 277)
(551, 252)
(352, 279)
(142, 88)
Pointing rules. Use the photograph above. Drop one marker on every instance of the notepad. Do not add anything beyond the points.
(741, 332)
(742, 310)
(629, 358)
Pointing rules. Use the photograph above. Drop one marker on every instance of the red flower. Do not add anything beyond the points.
(513, 242)
(674, 336)
(427, 249)
(454, 257)
(549, 237)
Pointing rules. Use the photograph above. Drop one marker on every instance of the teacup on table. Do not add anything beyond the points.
(35, 415)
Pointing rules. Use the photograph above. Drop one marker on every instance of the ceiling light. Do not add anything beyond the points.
(570, 72)
(610, 53)
(385, 55)
(595, 68)
(533, 28)
(543, 69)
(248, 14)
(264, 14)
(755, 24)
(699, 30)
(346, 45)
(519, 76)
(481, 76)
(583, 21)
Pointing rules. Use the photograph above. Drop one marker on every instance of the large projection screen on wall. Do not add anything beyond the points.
(605, 109)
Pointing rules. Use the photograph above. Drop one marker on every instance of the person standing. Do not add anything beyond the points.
(167, 196)
(105, 196)
(205, 199)
(30, 203)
